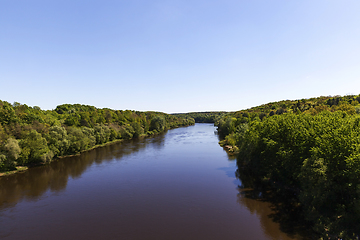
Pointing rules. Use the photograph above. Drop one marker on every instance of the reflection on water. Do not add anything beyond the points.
(31, 184)
(178, 185)
(272, 206)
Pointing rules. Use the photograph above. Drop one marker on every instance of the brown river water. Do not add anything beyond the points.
(178, 185)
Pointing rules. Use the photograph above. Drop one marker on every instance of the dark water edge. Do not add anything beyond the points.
(286, 210)
(177, 185)
(32, 184)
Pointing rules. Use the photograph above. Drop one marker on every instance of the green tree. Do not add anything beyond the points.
(58, 140)
(102, 133)
(34, 149)
(158, 123)
(138, 130)
(78, 141)
(10, 153)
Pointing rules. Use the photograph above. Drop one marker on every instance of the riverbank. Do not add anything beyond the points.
(24, 168)
(20, 169)
(230, 149)
(31, 136)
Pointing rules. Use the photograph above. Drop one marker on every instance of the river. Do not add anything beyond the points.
(177, 185)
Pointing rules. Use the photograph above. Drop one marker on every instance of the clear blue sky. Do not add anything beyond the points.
(177, 56)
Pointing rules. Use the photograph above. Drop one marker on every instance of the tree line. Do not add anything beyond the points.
(202, 117)
(31, 136)
(310, 147)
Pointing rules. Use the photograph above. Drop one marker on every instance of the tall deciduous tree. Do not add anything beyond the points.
(158, 123)
(34, 148)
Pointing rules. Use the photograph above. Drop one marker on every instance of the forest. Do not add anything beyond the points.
(30, 136)
(202, 117)
(310, 147)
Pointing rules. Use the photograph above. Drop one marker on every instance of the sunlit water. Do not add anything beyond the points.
(179, 185)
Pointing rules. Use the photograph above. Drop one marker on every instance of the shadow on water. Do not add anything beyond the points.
(269, 205)
(283, 208)
(35, 182)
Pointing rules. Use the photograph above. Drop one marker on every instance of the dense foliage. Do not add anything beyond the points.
(29, 135)
(311, 146)
(202, 117)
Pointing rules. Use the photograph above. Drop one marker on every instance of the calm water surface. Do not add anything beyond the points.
(179, 185)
